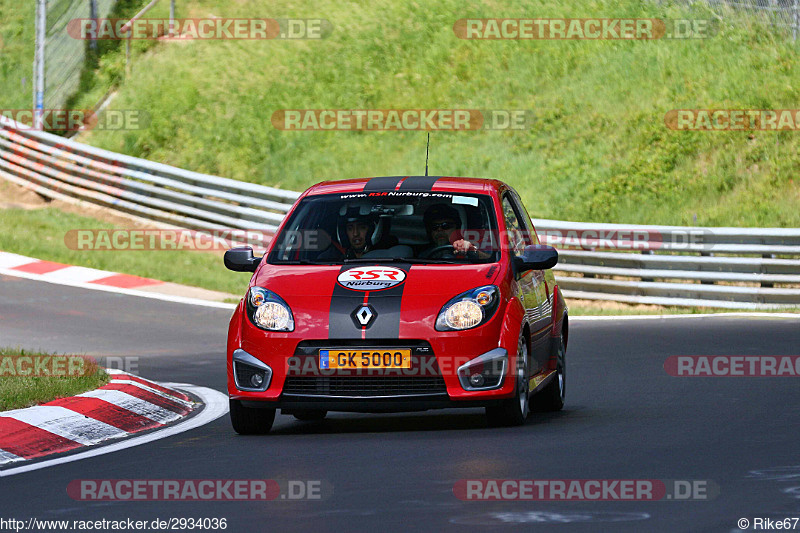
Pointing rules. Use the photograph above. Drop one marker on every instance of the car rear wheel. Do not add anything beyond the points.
(309, 415)
(514, 411)
(250, 420)
(552, 397)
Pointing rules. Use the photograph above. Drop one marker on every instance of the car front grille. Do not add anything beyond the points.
(359, 386)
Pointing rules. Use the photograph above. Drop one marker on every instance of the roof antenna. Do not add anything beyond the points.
(426, 153)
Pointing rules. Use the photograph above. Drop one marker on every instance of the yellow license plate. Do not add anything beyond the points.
(365, 358)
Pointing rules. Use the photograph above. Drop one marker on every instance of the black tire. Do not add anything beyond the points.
(309, 415)
(514, 411)
(250, 420)
(552, 396)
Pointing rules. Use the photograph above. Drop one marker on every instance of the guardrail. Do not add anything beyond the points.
(63, 169)
(662, 265)
(673, 265)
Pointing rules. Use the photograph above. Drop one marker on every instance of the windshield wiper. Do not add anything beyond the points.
(413, 260)
(302, 262)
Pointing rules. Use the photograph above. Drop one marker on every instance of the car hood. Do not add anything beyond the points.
(406, 305)
(322, 280)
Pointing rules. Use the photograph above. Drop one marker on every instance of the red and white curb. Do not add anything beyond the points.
(125, 406)
(89, 278)
(48, 270)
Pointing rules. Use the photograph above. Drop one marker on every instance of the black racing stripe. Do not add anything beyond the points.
(418, 183)
(383, 183)
(387, 307)
(343, 303)
(386, 303)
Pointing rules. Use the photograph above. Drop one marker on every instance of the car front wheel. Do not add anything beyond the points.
(552, 397)
(250, 420)
(514, 411)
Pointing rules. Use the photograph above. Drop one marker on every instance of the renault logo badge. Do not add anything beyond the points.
(363, 315)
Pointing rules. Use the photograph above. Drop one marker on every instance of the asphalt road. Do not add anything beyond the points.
(625, 418)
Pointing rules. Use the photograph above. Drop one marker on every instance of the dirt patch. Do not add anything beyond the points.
(13, 195)
(16, 196)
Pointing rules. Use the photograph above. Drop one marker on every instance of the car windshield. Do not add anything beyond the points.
(396, 226)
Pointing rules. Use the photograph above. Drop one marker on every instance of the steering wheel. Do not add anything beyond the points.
(439, 250)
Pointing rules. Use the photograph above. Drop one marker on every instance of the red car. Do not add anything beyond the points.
(398, 294)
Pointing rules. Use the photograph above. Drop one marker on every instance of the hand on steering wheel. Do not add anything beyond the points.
(439, 250)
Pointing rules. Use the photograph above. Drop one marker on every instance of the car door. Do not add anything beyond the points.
(532, 287)
(546, 279)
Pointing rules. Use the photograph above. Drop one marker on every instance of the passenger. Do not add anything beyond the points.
(443, 228)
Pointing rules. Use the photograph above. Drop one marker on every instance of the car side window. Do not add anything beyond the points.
(515, 229)
(525, 219)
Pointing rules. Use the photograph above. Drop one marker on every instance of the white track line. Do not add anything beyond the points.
(8, 457)
(66, 423)
(587, 318)
(77, 274)
(129, 292)
(9, 260)
(216, 405)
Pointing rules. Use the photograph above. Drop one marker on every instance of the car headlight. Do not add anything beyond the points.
(268, 311)
(469, 309)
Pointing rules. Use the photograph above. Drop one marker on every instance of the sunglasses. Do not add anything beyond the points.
(442, 225)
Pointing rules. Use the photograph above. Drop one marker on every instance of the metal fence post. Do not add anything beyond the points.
(796, 13)
(93, 16)
(128, 53)
(172, 18)
(38, 63)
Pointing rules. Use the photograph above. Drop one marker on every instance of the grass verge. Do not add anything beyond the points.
(18, 391)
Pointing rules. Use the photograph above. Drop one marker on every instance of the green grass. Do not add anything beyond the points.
(16, 53)
(40, 233)
(103, 70)
(597, 150)
(18, 391)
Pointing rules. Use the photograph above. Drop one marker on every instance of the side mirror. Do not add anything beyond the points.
(241, 260)
(536, 257)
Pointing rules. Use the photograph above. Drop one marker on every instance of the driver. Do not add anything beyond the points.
(358, 230)
(442, 223)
